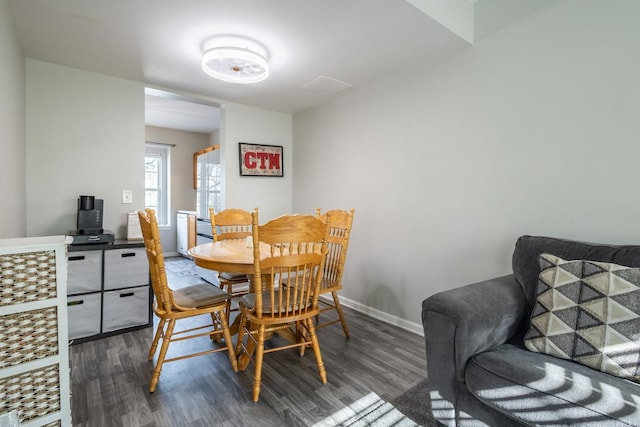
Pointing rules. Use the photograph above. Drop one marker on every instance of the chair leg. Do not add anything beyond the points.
(227, 338)
(156, 339)
(228, 288)
(257, 379)
(301, 335)
(155, 376)
(336, 303)
(315, 345)
(243, 355)
(215, 327)
(243, 322)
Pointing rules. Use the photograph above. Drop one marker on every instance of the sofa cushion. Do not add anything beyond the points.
(587, 311)
(528, 249)
(540, 389)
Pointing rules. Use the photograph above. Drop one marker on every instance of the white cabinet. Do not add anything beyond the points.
(108, 290)
(186, 231)
(34, 352)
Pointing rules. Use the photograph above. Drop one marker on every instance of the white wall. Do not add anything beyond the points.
(85, 136)
(531, 131)
(272, 195)
(183, 195)
(13, 222)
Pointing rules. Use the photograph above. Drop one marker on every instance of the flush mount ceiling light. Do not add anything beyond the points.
(232, 63)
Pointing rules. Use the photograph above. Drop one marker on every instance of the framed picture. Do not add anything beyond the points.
(260, 160)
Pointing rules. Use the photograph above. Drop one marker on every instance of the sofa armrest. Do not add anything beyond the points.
(465, 321)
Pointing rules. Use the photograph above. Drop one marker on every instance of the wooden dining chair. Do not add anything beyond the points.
(172, 305)
(231, 224)
(339, 231)
(295, 258)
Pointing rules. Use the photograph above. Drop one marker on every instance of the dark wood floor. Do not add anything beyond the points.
(110, 379)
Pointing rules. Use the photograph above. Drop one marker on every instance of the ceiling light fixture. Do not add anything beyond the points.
(233, 64)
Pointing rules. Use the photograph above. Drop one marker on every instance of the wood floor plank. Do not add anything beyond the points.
(110, 379)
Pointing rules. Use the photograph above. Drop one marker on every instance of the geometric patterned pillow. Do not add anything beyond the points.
(588, 312)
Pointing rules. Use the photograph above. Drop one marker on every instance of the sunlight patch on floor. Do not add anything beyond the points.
(370, 410)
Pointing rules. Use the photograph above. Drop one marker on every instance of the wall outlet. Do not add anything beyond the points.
(127, 197)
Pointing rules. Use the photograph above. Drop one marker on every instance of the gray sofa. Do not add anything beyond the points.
(480, 372)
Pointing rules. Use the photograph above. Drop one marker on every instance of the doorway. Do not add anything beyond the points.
(184, 125)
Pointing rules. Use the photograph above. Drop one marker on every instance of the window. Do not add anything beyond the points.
(208, 194)
(156, 181)
(209, 182)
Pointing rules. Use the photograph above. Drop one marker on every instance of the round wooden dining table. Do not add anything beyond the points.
(230, 256)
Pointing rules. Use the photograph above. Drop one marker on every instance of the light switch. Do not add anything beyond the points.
(127, 196)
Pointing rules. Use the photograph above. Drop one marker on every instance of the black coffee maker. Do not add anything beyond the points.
(89, 215)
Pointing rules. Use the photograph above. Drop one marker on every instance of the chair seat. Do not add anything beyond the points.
(249, 301)
(200, 295)
(232, 276)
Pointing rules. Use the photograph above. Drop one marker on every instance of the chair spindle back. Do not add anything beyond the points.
(153, 247)
(291, 274)
(230, 224)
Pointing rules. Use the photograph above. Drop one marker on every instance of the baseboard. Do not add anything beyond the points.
(413, 327)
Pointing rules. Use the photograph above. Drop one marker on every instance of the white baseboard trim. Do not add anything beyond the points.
(413, 327)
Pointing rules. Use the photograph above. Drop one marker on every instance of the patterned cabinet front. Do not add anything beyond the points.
(34, 358)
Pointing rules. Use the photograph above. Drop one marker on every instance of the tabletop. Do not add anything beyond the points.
(231, 256)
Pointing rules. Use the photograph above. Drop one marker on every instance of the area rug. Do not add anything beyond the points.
(415, 403)
(180, 266)
(370, 410)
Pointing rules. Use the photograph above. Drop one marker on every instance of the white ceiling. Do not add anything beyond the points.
(158, 42)
(166, 111)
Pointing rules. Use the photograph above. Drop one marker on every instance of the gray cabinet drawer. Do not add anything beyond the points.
(125, 268)
(83, 312)
(125, 308)
(84, 271)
